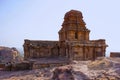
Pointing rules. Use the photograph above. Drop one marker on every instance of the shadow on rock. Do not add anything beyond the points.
(68, 74)
(80, 76)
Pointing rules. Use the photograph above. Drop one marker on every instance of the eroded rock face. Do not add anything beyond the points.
(63, 74)
(78, 70)
(68, 73)
(8, 54)
(100, 64)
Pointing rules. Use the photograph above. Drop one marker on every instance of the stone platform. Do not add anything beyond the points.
(48, 62)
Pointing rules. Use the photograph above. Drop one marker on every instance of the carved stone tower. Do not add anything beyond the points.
(74, 40)
(73, 27)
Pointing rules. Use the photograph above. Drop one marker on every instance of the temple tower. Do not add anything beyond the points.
(73, 30)
(73, 27)
(74, 40)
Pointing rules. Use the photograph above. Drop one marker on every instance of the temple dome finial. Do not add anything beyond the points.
(74, 17)
(73, 13)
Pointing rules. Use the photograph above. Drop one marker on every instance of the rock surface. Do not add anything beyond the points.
(63, 74)
(9, 54)
(108, 69)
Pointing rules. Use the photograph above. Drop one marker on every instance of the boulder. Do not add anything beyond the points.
(63, 74)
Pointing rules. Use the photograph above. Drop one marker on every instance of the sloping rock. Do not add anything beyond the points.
(68, 73)
(75, 71)
(9, 54)
(63, 74)
(100, 64)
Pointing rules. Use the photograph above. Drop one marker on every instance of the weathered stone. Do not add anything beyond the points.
(9, 54)
(17, 66)
(100, 64)
(115, 54)
(2, 66)
(63, 74)
(73, 42)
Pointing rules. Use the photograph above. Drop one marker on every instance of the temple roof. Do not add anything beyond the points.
(73, 13)
(73, 17)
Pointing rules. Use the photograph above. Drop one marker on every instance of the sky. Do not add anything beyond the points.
(42, 19)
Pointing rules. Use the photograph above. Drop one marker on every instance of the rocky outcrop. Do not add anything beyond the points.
(68, 73)
(63, 74)
(100, 64)
(105, 69)
(9, 54)
(77, 70)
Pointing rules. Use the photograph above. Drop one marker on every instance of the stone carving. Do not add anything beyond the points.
(73, 44)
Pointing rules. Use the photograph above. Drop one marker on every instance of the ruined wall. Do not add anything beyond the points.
(41, 49)
(77, 52)
(114, 54)
(89, 50)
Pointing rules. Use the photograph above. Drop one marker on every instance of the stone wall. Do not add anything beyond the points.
(114, 54)
(38, 66)
(17, 66)
(40, 49)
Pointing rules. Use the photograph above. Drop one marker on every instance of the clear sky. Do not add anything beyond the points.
(42, 19)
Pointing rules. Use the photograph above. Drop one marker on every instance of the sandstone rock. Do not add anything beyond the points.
(9, 54)
(62, 74)
(74, 71)
(100, 64)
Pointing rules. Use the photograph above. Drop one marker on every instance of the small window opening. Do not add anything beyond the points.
(76, 35)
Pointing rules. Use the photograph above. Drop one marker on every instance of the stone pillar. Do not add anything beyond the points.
(26, 48)
(58, 50)
(71, 54)
(26, 51)
(50, 52)
(87, 36)
(103, 51)
(94, 52)
(31, 52)
(84, 54)
(37, 52)
(87, 52)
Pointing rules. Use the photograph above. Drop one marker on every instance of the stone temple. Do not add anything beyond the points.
(73, 44)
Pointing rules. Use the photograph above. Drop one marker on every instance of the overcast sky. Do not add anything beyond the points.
(42, 19)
